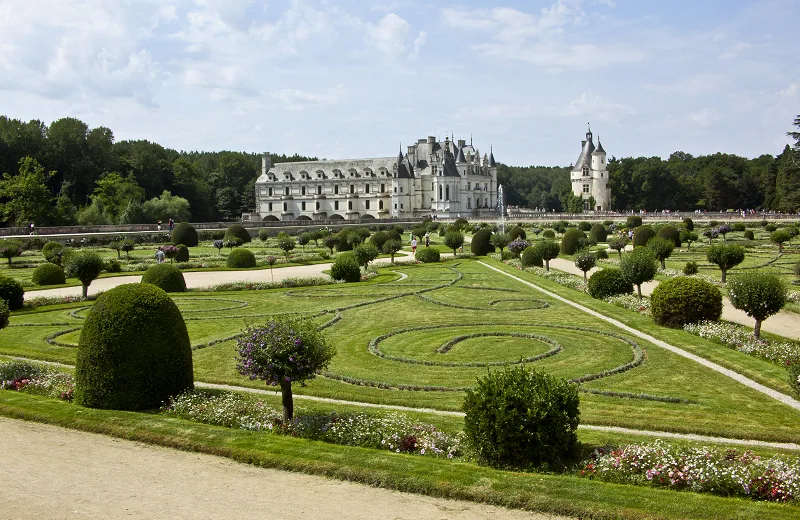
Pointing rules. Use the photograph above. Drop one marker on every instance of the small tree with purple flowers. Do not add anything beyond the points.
(170, 251)
(517, 246)
(283, 351)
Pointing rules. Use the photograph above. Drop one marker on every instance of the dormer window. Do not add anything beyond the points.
(585, 171)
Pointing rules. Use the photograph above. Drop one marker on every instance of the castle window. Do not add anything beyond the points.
(585, 171)
(601, 175)
(352, 188)
(270, 192)
(401, 206)
(303, 190)
(366, 204)
(469, 185)
(383, 188)
(336, 205)
(303, 206)
(366, 188)
(349, 204)
(447, 192)
(336, 190)
(395, 189)
(380, 204)
(270, 206)
(317, 206)
(284, 206)
(469, 203)
(586, 188)
(401, 189)
(395, 206)
(286, 190)
(319, 190)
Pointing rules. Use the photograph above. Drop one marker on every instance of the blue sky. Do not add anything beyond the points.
(355, 79)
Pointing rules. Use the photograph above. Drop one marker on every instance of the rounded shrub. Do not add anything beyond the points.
(184, 233)
(5, 314)
(241, 258)
(601, 254)
(690, 268)
(116, 368)
(598, 232)
(749, 235)
(183, 253)
(606, 283)
(345, 267)
(760, 294)
(738, 226)
(670, 233)
(571, 241)
(166, 277)
(520, 418)
(642, 235)
(633, 222)
(113, 266)
(770, 227)
(86, 266)
(378, 239)
(52, 252)
(516, 232)
(12, 292)
(238, 231)
(688, 224)
(682, 300)
(549, 234)
(48, 274)
(531, 257)
(481, 243)
(428, 255)
(584, 226)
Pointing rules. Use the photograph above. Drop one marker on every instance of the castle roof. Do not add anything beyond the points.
(492, 164)
(461, 159)
(599, 148)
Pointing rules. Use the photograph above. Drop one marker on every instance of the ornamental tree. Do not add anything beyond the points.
(10, 249)
(171, 252)
(585, 261)
(500, 241)
(517, 246)
(618, 243)
(330, 241)
(689, 237)
(638, 267)
(271, 259)
(454, 239)
(547, 250)
(282, 351)
(661, 249)
(116, 246)
(391, 247)
(219, 244)
(759, 294)
(303, 239)
(127, 245)
(365, 253)
(724, 230)
(86, 266)
(779, 237)
(725, 256)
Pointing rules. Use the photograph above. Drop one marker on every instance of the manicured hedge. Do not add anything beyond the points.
(134, 351)
(166, 277)
(184, 233)
(516, 232)
(481, 243)
(670, 233)
(606, 283)
(531, 257)
(428, 255)
(598, 232)
(238, 231)
(682, 300)
(52, 252)
(241, 258)
(345, 267)
(642, 235)
(571, 241)
(12, 292)
(183, 253)
(48, 274)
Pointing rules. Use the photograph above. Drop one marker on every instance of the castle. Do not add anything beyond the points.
(589, 176)
(448, 179)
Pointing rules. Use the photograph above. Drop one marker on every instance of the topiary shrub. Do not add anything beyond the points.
(661, 248)
(520, 418)
(770, 227)
(365, 253)
(749, 235)
(725, 256)
(760, 294)
(119, 369)
(584, 226)
(598, 232)
(52, 252)
(638, 267)
(779, 237)
(183, 253)
(601, 254)
(263, 234)
(633, 222)
(378, 239)
(166, 277)
(642, 235)
(113, 266)
(690, 268)
(606, 283)
(86, 266)
(682, 300)
(571, 241)
(345, 267)
(738, 226)
(516, 232)
(585, 261)
(548, 250)
(481, 243)
(428, 255)
(549, 234)
(184, 233)
(237, 231)
(48, 274)
(670, 233)
(12, 292)
(241, 258)
(688, 224)
(531, 257)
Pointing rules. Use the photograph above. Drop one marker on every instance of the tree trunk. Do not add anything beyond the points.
(286, 400)
(639, 290)
(547, 264)
(584, 277)
(689, 246)
(757, 329)
(724, 272)
(663, 264)
(780, 250)
(620, 254)
(85, 290)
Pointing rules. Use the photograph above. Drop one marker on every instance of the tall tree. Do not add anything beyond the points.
(25, 197)
(116, 191)
(787, 181)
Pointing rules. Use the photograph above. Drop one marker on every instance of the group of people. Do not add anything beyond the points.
(427, 238)
(170, 223)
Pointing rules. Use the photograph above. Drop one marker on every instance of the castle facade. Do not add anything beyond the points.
(589, 176)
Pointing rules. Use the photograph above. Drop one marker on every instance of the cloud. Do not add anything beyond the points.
(705, 118)
(295, 99)
(589, 105)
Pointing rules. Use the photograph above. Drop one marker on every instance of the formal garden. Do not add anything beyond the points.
(421, 339)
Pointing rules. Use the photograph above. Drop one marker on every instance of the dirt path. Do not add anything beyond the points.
(784, 324)
(52, 472)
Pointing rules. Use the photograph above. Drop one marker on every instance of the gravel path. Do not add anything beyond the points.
(53, 472)
(785, 399)
(784, 323)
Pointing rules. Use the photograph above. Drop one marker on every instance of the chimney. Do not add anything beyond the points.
(431, 139)
(266, 163)
(583, 144)
(461, 143)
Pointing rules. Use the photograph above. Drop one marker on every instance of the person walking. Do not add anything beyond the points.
(427, 239)
(160, 255)
(171, 224)
(31, 228)
(413, 244)
(159, 225)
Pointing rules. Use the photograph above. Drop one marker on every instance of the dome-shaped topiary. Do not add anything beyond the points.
(120, 369)
(642, 235)
(601, 254)
(570, 242)
(346, 268)
(670, 233)
(481, 243)
(598, 232)
(531, 257)
(184, 233)
(516, 232)
(166, 277)
(238, 231)
(12, 292)
(606, 283)
(428, 255)
(682, 300)
(52, 252)
(549, 234)
(48, 274)
(183, 253)
(633, 222)
(241, 258)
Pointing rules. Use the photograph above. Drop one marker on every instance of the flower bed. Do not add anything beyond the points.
(700, 469)
(740, 338)
(390, 431)
(259, 286)
(561, 278)
(34, 379)
(40, 301)
(631, 303)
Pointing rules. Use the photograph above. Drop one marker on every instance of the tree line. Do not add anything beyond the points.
(66, 173)
(683, 182)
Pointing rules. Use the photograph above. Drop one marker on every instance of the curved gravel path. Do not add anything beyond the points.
(783, 398)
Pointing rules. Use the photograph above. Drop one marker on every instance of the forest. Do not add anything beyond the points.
(66, 173)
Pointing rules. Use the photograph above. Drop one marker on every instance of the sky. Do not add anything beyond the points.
(349, 79)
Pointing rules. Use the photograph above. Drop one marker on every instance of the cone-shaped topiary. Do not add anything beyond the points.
(119, 369)
(12, 292)
(184, 233)
(570, 242)
(481, 243)
(237, 231)
(166, 277)
(48, 274)
(682, 300)
(241, 258)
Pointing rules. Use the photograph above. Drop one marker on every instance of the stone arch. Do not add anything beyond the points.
(270, 218)
(303, 217)
(336, 216)
(367, 216)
